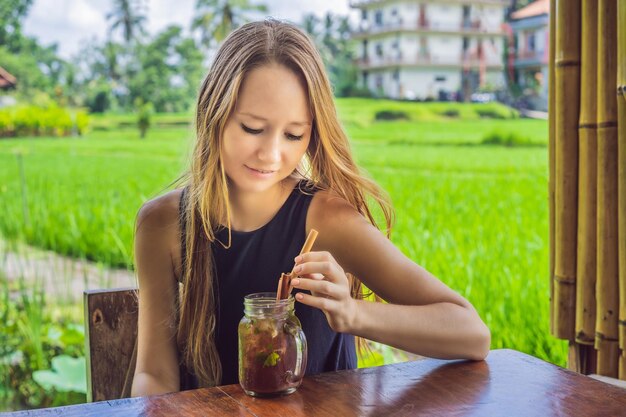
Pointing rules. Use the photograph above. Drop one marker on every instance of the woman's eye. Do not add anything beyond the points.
(251, 131)
(258, 131)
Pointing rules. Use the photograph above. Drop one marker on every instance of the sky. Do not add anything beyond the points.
(70, 23)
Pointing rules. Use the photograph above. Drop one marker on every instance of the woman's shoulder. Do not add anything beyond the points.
(160, 212)
(328, 210)
(158, 231)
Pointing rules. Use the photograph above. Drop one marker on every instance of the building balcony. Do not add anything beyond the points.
(357, 4)
(426, 60)
(366, 30)
(531, 58)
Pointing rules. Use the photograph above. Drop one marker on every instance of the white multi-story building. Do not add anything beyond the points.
(531, 29)
(417, 49)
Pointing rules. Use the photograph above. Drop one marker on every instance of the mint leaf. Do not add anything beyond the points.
(271, 360)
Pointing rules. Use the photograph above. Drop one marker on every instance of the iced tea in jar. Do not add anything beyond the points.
(272, 346)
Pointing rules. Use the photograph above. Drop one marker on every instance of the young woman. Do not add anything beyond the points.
(272, 162)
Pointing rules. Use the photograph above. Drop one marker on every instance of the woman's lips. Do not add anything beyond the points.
(260, 172)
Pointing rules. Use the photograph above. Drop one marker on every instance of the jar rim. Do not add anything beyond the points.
(266, 299)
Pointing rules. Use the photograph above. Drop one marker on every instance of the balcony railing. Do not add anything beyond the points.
(538, 56)
(426, 60)
(365, 29)
(361, 3)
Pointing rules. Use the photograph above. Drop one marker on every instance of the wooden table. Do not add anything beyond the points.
(508, 383)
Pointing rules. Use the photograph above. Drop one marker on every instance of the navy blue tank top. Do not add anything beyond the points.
(253, 264)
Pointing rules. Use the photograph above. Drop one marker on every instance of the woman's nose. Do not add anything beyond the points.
(270, 149)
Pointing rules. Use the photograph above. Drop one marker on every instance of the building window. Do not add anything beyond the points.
(365, 76)
(531, 41)
(379, 81)
(378, 17)
(465, 43)
(364, 14)
(466, 17)
(440, 78)
(379, 50)
(396, 75)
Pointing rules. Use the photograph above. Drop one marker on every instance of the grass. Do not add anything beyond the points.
(474, 215)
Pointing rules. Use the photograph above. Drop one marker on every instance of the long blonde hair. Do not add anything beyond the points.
(329, 165)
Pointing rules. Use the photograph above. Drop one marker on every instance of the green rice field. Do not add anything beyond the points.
(475, 215)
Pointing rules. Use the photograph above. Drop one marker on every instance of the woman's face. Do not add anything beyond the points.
(269, 130)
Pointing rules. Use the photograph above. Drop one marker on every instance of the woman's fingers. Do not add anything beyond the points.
(330, 270)
(322, 303)
(311, 276)
(314, 257)
(319, 287)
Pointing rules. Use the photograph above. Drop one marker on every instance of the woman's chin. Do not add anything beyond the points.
(255, 184)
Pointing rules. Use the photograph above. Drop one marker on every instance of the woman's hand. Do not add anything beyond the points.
(320, 273)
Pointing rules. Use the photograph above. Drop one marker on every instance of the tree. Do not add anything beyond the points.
(310, 24)
(331, 35)
(127, 16)
(144, 115)
(215, 19)
(169, 70)
(12, 13)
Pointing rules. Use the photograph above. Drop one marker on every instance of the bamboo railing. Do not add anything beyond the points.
(588, 182)
(587, 190)
(621, 173)
(551, 141)
(606, 342)
(567, 103)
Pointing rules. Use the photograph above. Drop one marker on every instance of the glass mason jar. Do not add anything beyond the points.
(272, 346)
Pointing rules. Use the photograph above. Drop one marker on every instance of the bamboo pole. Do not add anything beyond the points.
(551, 137)
(606, 342)
(582, 358)
(621, 107)
(567, 80)
(587, 166)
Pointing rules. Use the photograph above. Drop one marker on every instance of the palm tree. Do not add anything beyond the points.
(309, 24)
(110, 54)
(215, 19)
(127, 16)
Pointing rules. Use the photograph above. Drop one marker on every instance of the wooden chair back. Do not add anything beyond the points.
(110, 342)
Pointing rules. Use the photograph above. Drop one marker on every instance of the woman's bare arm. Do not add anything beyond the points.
(423, 316)
(156, 237)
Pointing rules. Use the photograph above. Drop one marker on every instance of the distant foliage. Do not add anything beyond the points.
(489, 111)
(99, 101)
(41, 121)
(82, 122)
(332, 37)
(391, 115)
(498, 137)
(357, 91)
(215, 19)
(144, 116)
(451, 112)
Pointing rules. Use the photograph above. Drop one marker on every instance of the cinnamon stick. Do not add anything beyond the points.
(284, 283)
(283, 286)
